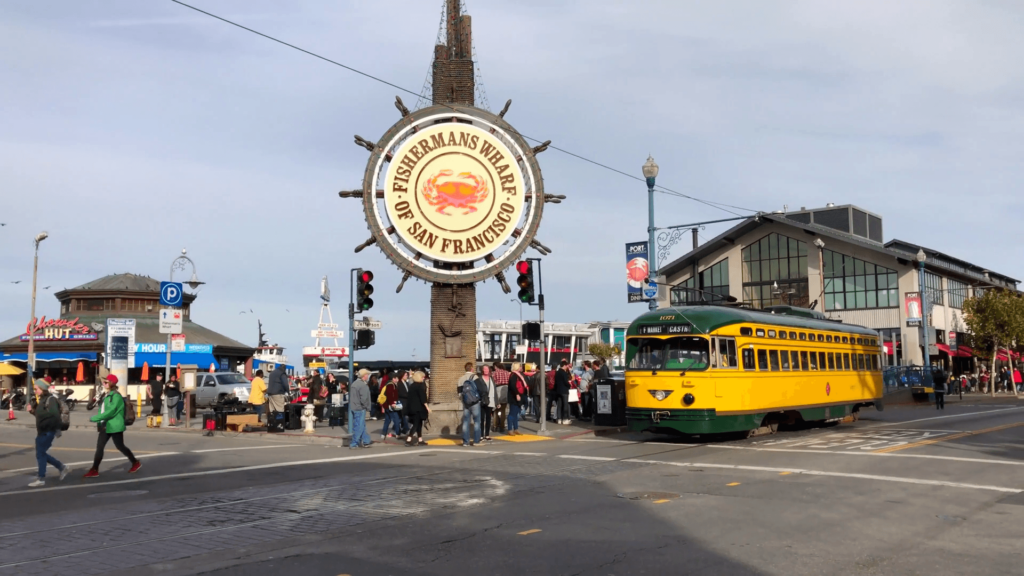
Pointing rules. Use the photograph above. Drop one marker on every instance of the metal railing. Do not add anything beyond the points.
(896, 377)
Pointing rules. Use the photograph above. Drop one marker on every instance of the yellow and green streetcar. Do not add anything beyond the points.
(710, 369)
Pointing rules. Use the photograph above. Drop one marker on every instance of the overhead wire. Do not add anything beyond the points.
(658, 188)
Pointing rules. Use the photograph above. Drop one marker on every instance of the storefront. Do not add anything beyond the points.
(72, 349)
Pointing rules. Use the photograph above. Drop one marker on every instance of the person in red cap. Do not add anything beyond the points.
(110, 422)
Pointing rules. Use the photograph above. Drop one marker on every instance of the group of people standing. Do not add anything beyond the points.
(166, 394)
(402, 400)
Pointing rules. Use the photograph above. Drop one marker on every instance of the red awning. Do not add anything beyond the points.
(943, 348)
(968, 350)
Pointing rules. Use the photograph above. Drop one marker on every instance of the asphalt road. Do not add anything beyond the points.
(905, 491)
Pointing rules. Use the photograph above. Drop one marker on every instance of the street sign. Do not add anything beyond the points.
(651, 291)
(952, 340)
(326, 326)
(170, 293)
(327, 334)
(368, 325)
(121, 327)
(170, 321)
(325, 351)
(177, 342)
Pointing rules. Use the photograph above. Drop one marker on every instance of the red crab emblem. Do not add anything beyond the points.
(455, 193)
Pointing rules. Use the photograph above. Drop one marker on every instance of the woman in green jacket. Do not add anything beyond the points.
(111, 425)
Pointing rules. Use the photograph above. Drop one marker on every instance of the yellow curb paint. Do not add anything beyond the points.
(444, 442)
(522, 438)
(528, 532)
(946, 438)
(733, 484)
(661, 501)
(784, 473)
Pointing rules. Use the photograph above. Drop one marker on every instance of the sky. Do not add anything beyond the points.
(130, 130)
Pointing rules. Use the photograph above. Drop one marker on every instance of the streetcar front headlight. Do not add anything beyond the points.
(660, 395)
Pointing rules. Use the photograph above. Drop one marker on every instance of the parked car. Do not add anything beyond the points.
(221, 387)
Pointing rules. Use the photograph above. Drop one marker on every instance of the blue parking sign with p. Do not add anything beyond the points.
(170, 293)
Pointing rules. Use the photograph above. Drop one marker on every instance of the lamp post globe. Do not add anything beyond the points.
(650, 170)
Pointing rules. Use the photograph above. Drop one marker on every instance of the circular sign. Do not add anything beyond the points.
(454, 192)
(651, 290)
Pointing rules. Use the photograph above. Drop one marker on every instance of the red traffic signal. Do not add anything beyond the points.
(524, 267)
(525, 281)
(365, 276)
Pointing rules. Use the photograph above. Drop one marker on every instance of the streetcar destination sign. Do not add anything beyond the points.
(658, 329)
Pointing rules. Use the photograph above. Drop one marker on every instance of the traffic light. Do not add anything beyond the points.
(365, 339)
(525, 281)
(363, 290)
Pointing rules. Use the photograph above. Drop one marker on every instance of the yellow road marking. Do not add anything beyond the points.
(528, 532)
(733, 484)
(444, 442)
(946, 438)
(661, 501)
(522, 438)
(69, 449)
(784, 473)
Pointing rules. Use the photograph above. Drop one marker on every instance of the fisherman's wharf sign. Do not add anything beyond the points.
(452, 194)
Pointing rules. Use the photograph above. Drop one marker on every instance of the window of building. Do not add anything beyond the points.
(683, 293)
(852, 283)
(712, 284)
(94, 305)
(775, 259)
(957, 293)
(492, 347)
(933, 286)
(762, 359)
(512, 340)
(561, 342)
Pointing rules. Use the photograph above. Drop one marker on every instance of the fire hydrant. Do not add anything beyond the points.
(308, 418)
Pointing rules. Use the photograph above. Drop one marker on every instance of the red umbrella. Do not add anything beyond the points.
(145, 371)
(80, 376)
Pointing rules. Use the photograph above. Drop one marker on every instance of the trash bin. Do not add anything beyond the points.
(293, 416)
(610, 403)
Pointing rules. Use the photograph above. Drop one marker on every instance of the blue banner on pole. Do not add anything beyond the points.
(637, 270)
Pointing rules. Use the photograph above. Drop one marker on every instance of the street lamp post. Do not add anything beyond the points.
(193, 283)
(921, 257)
(650, 169)
(32, 323)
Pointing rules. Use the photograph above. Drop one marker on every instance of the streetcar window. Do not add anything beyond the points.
(746, 332)
(814, 361)
(860, 362)
(679, 353)
(831, 361)
(773, 355)
(803, 361)
(828, 338)
(796, 360)
(771, 333)
(762, 359)
(860, 341)
(874, 363)
(803, 336)
(792, 335)
(821, 337)
(782, 334)
(760, 332)
(821, 360)
(846, 360)
(726, 357)
(785, 359)
(845, 340)
(748, 359)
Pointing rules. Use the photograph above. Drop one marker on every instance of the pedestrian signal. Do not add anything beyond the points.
(525, 281)
(365, 339)
(363, 290)
(531, 331)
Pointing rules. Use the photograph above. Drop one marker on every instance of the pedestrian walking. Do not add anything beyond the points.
(939, 387)
(47, 412)
(534, 383)
(417, 409)
(258, 394)
(277, 389)
(470, 394)
(562, 386)
(110, 425)
(173, 399)
(359, 401)
(403, 399)
(391, 408)
(518, 390)
(156, 393)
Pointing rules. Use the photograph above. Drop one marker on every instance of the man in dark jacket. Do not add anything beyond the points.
(276, 389)
(47, 412)
(156, 394)
(403, 397)
(939, 386)
(562, 387)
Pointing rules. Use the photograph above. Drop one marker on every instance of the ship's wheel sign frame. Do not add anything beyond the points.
(453, 194)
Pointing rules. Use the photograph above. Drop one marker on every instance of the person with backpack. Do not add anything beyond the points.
(111, 423)
(47, 410)
(518, 390)
(470, 395)
(391, 407)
